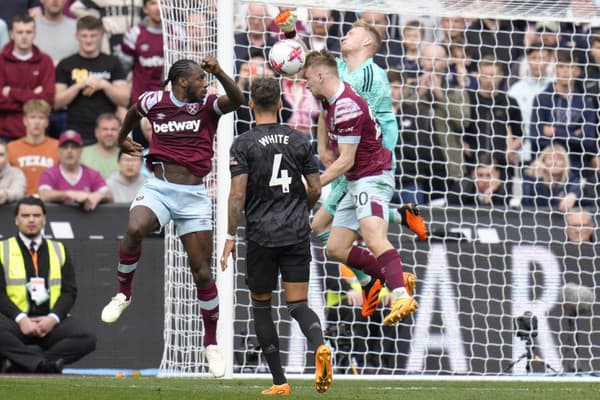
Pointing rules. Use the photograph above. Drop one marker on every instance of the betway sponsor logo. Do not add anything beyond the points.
(176, 126)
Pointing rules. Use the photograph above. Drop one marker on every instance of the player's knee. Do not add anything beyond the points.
(201, 272)
(297, 307)
(135, 232)
(334, 253)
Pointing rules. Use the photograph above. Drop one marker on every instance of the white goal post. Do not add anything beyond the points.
(500, 284)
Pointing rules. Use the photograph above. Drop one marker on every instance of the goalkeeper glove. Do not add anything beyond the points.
(286, 21)
(412, 219)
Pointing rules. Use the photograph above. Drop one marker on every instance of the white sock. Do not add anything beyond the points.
(399, 293)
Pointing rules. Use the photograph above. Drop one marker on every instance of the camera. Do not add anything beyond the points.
(526, 325)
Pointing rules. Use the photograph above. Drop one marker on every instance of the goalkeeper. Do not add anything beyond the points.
(357, 68)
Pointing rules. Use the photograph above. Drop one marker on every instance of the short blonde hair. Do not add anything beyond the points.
(361, 23)
(322, 57)
(37, 106)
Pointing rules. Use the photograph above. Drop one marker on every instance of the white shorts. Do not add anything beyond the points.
(188, 205)
(366, 197)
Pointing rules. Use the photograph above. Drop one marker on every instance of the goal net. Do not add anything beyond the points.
(497, 108)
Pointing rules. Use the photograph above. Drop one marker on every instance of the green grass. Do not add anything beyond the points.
(108, 388)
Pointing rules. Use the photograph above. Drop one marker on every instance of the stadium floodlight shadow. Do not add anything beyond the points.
(526, 328)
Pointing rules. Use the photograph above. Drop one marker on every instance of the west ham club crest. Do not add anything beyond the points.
(192, 108)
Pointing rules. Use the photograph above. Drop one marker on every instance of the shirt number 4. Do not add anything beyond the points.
(277, 179)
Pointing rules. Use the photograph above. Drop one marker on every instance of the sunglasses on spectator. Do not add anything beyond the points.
(320, 19)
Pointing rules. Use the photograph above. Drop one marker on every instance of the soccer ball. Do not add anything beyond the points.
(286, 57)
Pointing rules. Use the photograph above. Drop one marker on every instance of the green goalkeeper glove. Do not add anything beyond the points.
(286, 21)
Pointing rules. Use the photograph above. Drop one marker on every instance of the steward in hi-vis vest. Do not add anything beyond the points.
(37, 292)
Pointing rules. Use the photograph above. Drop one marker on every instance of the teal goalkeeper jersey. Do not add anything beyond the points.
(371, 83)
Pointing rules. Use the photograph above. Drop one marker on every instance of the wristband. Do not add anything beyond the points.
(230, 237)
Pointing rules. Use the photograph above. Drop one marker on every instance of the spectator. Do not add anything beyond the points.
(563, 115)
(142, 51)
(549, 182)
(90, 82)
(70, 182)
(451, 30)
(117, 17)
(11, 8)
(419, 158)
(484, 188)
(256, 40)
(496, 126)
(35, 152)
(525, 90)
(492, 37)
(25, 73)
(12, 179)
(322, 25)
(412, 38)
(303, 108)
(103, 155)
(54, 24)
(390, 52)
(443, 107)
(256, 66)
(580, 226)
(591, 79)
(36, 306)
(125, 183)
(591, 187)
(545, 37)
(4, 38)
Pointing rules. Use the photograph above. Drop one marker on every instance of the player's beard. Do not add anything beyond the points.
(194, 97)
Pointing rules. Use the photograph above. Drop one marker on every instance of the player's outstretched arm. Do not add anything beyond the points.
(127, 144)
(313, 189)
(233, 97)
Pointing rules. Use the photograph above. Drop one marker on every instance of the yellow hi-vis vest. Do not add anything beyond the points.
(15, 274)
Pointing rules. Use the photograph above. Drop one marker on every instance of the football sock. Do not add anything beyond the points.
(391, 267)
(267, 338)
(362, 259)
(126, 269)
(308, 321)
(208, 298)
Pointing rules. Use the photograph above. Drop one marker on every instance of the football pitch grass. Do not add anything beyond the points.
(110, 388)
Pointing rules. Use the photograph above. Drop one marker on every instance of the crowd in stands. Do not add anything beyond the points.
(490, 112)
(484, 107)
(67, 70)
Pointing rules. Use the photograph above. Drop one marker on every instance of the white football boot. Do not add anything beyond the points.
(113, 310)
(215, 361)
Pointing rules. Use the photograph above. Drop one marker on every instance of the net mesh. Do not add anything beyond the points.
(189, 33)
(507, 281)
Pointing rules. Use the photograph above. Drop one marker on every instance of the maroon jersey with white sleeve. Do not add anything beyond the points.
(182, 133)
(142, 47)
(349, 120)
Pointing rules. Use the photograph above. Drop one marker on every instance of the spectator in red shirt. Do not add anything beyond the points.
(142, 50)
(25, 73)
